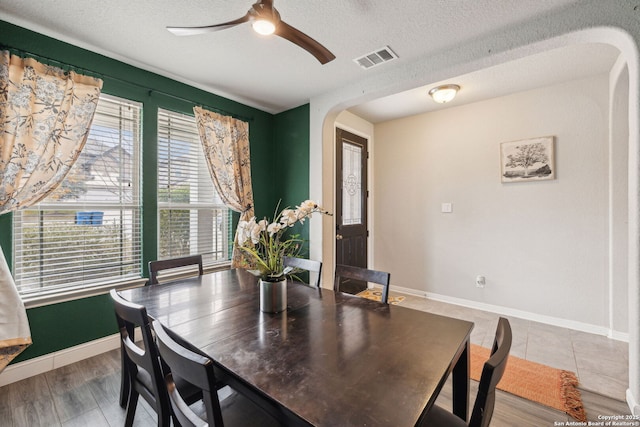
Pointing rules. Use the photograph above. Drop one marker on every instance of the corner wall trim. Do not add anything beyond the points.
(633, 403)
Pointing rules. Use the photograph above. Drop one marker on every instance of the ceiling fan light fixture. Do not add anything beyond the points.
(263, 27)
(444, 93)
(265, 20)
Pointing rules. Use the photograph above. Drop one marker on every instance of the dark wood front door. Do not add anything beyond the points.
(351, 204)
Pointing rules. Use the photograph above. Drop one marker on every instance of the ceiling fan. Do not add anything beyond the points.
(265, 20)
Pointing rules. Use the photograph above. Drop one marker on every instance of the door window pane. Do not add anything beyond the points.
(351, 184)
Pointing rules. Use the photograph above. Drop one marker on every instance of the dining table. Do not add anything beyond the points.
(330, 359)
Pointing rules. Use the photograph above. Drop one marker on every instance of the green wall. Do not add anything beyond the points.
(291, 146)
(279, 152)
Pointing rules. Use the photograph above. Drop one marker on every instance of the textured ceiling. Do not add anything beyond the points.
(545, 69)
(275, 75)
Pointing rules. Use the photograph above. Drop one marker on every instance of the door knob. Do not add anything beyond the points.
(338, 236)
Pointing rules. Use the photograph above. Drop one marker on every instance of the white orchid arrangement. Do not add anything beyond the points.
(266, 243)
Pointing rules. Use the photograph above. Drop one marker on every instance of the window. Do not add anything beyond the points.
(87, 232)
(192, 218)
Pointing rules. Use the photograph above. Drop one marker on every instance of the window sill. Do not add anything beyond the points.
(80, 293)
(74, 294)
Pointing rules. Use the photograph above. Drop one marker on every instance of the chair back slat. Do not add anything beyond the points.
(169, 264)
(365, 275)
(305, 264)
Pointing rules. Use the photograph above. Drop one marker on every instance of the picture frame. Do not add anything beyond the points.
(528, 160)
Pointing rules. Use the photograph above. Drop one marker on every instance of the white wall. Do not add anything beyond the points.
(543, 246)
(588, 21)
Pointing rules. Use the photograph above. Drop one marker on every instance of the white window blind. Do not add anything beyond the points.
(87, 232)
(192, 218)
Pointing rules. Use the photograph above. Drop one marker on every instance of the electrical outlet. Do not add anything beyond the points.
(480, 282)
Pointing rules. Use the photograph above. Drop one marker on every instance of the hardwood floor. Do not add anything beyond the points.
(86, 393)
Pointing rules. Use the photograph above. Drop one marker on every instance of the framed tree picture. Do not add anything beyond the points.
(528, 160)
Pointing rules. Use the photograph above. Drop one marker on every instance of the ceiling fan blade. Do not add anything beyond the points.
(189, 31)
(296, 36)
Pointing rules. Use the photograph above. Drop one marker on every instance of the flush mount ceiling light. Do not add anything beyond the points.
(444, 93)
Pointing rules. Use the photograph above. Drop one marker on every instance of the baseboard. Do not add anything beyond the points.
(634, 406)
(39, 365)
(407, 291)
(550, 320)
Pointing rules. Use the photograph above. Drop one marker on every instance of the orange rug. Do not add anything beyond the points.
(376, 295)
(539, 383)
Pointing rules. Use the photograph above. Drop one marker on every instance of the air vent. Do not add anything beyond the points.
(376, 57)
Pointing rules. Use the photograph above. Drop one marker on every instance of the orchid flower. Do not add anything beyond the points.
(266, 243)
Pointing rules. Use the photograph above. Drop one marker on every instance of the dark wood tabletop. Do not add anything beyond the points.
(329, 359)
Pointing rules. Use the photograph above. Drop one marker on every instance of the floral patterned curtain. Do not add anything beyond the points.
(45, 114)
(225, 141)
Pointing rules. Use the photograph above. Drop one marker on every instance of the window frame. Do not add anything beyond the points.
(47, 295)
(209, 262)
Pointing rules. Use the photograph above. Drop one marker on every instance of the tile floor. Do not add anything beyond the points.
(601, 364)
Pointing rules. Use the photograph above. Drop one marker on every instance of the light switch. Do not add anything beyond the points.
(447, 208)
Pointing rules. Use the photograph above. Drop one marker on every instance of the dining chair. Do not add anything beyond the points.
(484, 404)
(140, 364)
(173, 263)
(362, 274)
(142, 373)
(309, 265)
(198, 370)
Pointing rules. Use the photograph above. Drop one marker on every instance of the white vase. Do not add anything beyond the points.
(273, 296)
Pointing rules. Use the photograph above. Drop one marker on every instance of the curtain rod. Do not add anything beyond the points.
(64, 65)
(216, 109)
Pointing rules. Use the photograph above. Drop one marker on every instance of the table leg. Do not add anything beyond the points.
(460, 380)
